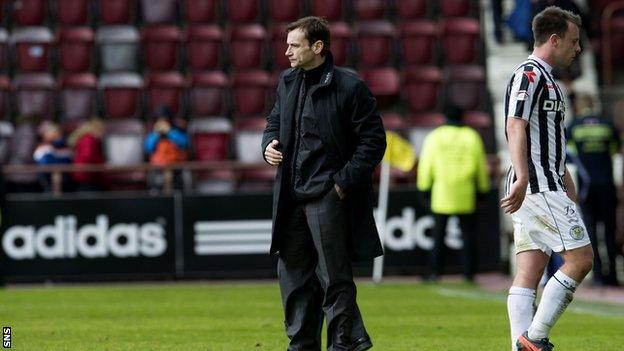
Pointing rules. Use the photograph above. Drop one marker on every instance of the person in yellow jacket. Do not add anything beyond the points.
(452, 167)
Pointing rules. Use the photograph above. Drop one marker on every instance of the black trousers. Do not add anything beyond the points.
(467, 223)
(600, 206)
(315, 277)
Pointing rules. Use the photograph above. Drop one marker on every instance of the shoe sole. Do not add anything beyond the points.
(522, 347)
(363, 347)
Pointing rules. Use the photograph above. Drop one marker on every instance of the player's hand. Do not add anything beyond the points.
(273, 157)
(512, 202)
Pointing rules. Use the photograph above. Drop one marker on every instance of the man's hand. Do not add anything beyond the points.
(512, 202)
(273, 157)
(340, 192)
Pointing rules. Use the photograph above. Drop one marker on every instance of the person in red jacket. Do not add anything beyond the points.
(86, 141)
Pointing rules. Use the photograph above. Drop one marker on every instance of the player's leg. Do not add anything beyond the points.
(436, 257)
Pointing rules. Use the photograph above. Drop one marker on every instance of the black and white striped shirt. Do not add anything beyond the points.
(533, 95)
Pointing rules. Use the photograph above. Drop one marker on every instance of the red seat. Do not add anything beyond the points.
(464, 86)
(123, 146)
(370, 9)
(421, 85)
(5, 97)
(251, 90)
(207, 94)
(482, 123)
(247, 44)
(117, 11)
(30, 12)
(159, 11)
(160, 47)
(73, 12)
(330, 9)
(285, 10)
(75, 47)
(77, 96)
(165, 89)
(418, 40)
(455, 8)
(201, 11)
(375, 41)
(2, 10)
(121, 94)
(411, 9)
(32, 48)
(279, 46)
(204, 46)
(460, 37)
(210, 138)
(384, 84)
(340, 43)
(617, 39)
(393, 122)
(243, 11)
(34, 94)
(4, 49)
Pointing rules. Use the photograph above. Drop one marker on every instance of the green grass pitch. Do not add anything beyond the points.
(248, 317)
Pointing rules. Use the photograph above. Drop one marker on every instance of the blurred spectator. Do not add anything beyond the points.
(86, 141)
(21, 148)
(497, 13)
(595, 140)
(52, 150)
(453, 168)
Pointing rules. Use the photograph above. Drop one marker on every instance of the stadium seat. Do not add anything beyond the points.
(165, 89)
(73, 12)
(201, 11)
(3, 11)
(417, 41)
(330, 9)
(78, 96)
(32, 48)
(204, 46)
(34, 94)
(420, 125)
(260, 179)
(482, 123)
(279, 46)
(159, 11)
(243, 11)
(365, 10)
(384, 84)
(75, 47)
(121, 94)
(285, 10)
(119, 46)
(6, 133)
(210, 138)
(247, 43)
(29, 12)
(340, 43)
(375, 41)
(455, 8)
(393, 122)
(5, 98)
(247, 137)
(161, 47)
(21, 150)
(208, 94)
(4, 49)
(421, 85)
(617, 39)
(123, 146)
(251, 90)
(411, 9)
(460, 39)
(464, 86)
(117, 11)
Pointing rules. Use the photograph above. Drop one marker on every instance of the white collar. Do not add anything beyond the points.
(542, 62)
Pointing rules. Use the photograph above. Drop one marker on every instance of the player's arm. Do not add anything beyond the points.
(516, 136)
(569, 185)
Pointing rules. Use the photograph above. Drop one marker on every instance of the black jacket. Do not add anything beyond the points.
(350, 127)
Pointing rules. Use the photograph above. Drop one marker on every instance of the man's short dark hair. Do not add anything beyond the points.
(553, 20)
(315, 29)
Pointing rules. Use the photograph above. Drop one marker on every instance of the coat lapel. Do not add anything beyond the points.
(291, 84)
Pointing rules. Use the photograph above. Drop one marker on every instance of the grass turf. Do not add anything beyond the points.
(248, 317)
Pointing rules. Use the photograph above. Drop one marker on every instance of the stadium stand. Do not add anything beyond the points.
(77, 96)
(75, 49)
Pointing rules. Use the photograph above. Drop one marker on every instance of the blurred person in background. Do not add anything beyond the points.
(453, 168)
(595, 140)
(86, 141)
(52, 150)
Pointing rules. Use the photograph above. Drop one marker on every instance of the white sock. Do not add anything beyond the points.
(520, 310)
(557, 295)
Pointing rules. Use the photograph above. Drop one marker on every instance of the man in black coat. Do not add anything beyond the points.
(326, 138)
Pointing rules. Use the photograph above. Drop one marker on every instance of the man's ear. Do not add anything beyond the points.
(554, 39)
(317, 47)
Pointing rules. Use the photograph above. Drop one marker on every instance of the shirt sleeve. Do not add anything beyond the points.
(522, 92)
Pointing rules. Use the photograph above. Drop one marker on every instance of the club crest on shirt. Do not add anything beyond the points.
(522, 95)
(577, 232)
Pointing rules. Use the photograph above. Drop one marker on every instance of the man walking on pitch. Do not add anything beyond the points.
(326, 137)
(540, 194)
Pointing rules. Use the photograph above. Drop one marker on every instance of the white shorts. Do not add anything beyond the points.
(549, 221)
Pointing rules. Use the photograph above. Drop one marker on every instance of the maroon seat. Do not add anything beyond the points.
(340, 43)
(285, 10)
(34, 94)
(201, 11)
(3, 10)
(369, 9)
(161, 46)
(73, 12)
(4, 49)
(420, 125)
(384, 84)
(243, 11)
(165, 89)
(5, 97)
(210, 138)
(117, 11)
(617, 39)
(204, 46)
(75, 46)
(121, 94)
(417, 40)
(411, 9)
(78, 94)
(464, 86)
(279, 46)
(393, 121)
(159, 11)
(247, 44)
(421, 85)
(482, 123)
(330, 9)
(208, 93)
(251, 90)
(455, 8)
(375, 41)
(32, 48)
(30, 12)
(460, 39)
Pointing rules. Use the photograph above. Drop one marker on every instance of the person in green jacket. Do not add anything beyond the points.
(452, 167)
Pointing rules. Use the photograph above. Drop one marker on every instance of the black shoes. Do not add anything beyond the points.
(362, 344)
